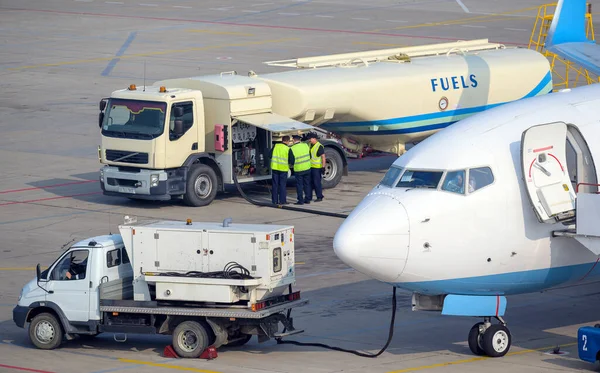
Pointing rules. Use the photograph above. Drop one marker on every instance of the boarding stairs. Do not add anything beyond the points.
(586, 229)
(398, 55)
(566, 74)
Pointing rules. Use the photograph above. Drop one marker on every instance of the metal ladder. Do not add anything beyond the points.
(587, 219)
(399, 55)
(561, 68)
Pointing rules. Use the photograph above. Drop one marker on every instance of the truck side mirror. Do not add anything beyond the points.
(178, 128)
(178, 111)
(100, 119)
(102, 105)
(38, 272)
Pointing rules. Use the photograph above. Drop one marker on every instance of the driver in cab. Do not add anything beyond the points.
(75, 272)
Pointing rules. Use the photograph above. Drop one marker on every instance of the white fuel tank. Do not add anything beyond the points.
(390, 102)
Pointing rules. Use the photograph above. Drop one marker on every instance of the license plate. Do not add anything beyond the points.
(126, 190)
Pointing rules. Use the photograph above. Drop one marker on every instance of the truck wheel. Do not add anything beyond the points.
(45, 332)
(201, 188)
(244, 338)
(190, 339)
(334, 167)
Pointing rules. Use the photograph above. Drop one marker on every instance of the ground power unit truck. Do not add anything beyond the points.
(206, 284)
(190, 137)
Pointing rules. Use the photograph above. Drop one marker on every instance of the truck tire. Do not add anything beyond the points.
(190, 339)
(334, 167)
(45, 331)
(201, 188)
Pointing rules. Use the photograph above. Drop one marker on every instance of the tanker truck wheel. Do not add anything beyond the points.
(190, 339)
(201, 188)
(334, 166)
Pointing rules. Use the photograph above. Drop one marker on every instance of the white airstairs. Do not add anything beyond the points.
(587, 219)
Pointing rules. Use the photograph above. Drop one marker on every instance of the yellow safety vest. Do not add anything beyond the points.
(301, 153)
(315, 161)
(280, 160)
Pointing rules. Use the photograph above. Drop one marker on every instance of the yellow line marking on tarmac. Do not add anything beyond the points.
(300, 263)
(172, 51)
(474, 359)
(221, 32)
(168, 366)
(17, 268)
(476, 19)
(379, 44)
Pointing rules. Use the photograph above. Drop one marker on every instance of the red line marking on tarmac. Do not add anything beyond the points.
(47, 186)
(25, 369)
(242, 24)
(48, 199)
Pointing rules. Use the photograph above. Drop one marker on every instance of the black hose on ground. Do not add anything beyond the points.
(284, 207)
(358, 353)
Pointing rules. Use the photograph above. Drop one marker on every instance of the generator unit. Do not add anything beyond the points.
(209, 262)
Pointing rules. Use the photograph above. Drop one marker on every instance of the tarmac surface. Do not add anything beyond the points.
(58, 58)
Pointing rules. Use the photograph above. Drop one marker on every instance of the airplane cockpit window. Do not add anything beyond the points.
(455, 182)
(420, 179)
(479, 178)
(391, 176)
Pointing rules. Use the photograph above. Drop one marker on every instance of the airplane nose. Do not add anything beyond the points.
(374, 239)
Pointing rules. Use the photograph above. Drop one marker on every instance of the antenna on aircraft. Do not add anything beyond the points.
(144, 75)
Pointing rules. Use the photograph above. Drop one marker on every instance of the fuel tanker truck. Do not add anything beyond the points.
(190, 137)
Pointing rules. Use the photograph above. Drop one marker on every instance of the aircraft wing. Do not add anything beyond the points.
(567, 38)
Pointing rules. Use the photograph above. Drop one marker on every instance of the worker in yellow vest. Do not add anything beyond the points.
(281, 159)
(301, 153)
(317, 166)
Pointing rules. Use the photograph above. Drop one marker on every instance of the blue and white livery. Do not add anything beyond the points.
(503, 202)
(391, 97)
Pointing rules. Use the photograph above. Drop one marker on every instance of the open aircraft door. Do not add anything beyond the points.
(544, 164)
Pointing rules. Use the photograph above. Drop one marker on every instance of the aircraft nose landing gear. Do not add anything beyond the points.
(489, 339)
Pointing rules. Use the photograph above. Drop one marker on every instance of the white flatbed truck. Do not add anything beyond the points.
(206, 284)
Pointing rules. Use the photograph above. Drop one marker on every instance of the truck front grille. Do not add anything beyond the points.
(126, 156)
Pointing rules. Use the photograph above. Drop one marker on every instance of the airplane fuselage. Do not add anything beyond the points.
(486, 242)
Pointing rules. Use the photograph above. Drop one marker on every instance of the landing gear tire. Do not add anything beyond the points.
(496, 340)
(190, 339)
(475, 340)
(201, 188)
(334, 166)
(45, 331)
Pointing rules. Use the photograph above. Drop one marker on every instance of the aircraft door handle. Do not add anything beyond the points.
(541, 168)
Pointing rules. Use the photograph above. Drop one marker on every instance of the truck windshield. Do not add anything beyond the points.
(134, 119)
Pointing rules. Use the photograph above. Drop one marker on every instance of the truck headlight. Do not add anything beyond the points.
(102, 175)
(153, 180)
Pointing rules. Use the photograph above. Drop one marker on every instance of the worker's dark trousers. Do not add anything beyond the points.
(315, 176)
(278, 192)
(303, 186)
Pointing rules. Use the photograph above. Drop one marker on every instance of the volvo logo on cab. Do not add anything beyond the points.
(454, 82)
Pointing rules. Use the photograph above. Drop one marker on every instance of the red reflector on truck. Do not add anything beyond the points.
(294, 296)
